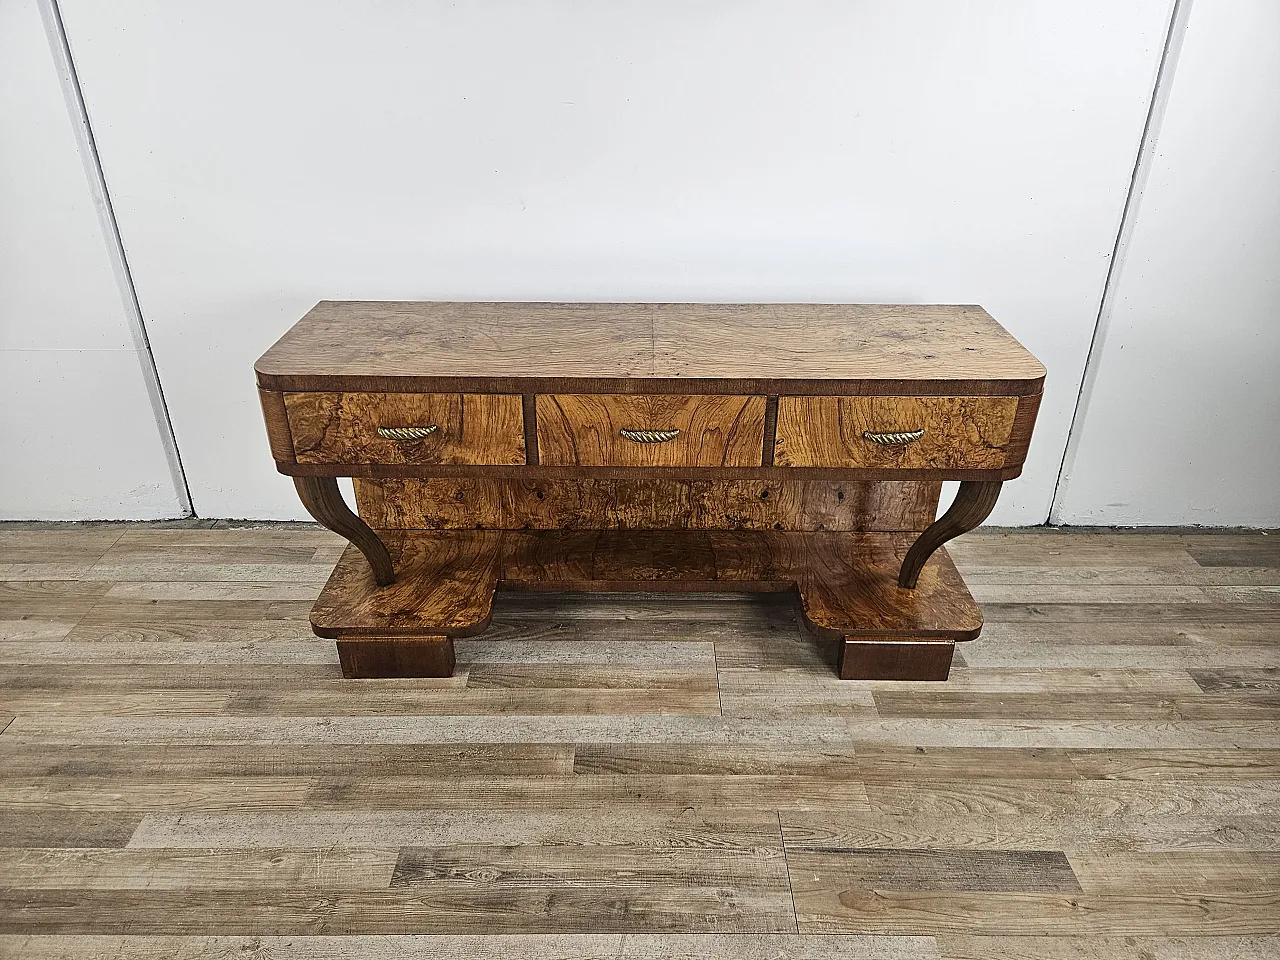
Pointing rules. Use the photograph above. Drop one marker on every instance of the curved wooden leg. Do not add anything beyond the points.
(323, 501)
(972, 505)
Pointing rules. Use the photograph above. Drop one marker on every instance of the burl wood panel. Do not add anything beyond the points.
(647, 504)
(343, 428)
(969, 432)
(846, 582)
(715, 431)
(445, 580)
(728, 348)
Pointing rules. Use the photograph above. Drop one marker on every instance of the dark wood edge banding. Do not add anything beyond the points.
(359, 383)
(905, 658)
(544, 472)
(323, 500)
(529, 404)
(378, 657)
(770, 429)
(1024, 420)
(392, 635)
(327, 632)
(973, 503)
(513, 565)
(279, 434)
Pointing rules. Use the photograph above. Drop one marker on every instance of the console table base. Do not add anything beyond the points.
(369, 657)
(845, 584)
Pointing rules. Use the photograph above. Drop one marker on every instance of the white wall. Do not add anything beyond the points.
(1182, 423)
(78, 438)
(263, 156)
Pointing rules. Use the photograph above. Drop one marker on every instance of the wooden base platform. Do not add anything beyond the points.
(846, 585)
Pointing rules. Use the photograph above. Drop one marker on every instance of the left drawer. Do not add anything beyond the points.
(396, 428)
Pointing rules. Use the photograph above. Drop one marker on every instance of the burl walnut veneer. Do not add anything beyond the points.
(657, 447)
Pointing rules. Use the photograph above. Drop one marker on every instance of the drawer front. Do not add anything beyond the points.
(894, 432)
(605, 430)
(406, 428)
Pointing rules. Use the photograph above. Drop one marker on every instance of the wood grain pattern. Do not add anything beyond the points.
(545, 472)
(901, 342)
(686, 768)
(904, 659)
(108, 869)
(873, 869)
(973, 503)
(971, 432)
(39, 828)
(1258, 680)
(770, 429)
(845, 583)
(276, 417)
(375, 657)
(585, 430)
(444, 588)
(645, 504)
(1024, 422)
(529, 408)
(323, 500)
(343, 428)
(725, 348)
(449, 909)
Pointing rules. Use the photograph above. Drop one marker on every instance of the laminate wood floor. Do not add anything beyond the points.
(183, 772)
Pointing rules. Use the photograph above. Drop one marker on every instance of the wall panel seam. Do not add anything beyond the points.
(1160, 93)
(56, 34)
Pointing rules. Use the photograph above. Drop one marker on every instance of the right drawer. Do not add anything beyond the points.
(894, 432)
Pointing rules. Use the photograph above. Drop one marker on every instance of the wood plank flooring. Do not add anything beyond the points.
(184, 773)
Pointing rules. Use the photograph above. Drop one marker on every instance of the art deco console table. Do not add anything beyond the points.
(676, 447)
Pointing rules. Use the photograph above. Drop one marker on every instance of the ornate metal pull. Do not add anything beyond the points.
(408, 433)
(649, 436)
(893, 438)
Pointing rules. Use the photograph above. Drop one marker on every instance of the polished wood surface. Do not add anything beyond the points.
(322, 499)
(906, 658)
(586, 430)
(725, 348)
(846, 583)
(971, 432)
(343, 428)
(185, 773)
(973, 503)
(545, 473)
(647, 504)
(380, 657)
(276, 417)
(651, 428)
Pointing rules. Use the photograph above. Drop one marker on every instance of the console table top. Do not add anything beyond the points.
(759, 347)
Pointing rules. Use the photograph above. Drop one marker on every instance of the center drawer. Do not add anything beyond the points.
(613, 430)
(398, 428)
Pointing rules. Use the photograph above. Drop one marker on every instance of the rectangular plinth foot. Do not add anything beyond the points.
(377, 658)
(895, 659)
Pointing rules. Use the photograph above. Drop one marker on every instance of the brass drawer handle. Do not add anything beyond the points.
(649, 436)
(408, 433)
(888, 439)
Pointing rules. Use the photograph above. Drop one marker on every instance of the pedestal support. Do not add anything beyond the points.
(323, 500)
(376, 658)
(973, 504)
(896, 659)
